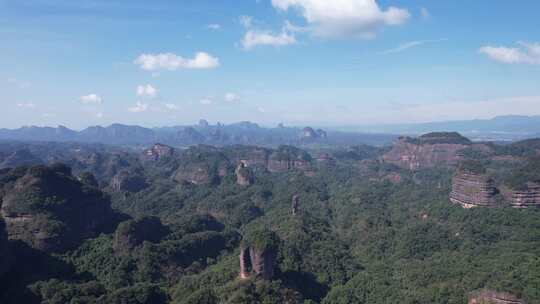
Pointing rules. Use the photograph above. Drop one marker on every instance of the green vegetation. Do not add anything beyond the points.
(440, 138)
(356, 238)
(528, 172)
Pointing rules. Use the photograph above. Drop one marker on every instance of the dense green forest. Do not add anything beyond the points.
(357, 236)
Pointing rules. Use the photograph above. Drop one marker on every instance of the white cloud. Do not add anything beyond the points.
(214, 26)
(344, 18)
(246, 21)
(172, 62)
(91, 99)
(172, 107)
(48, 115)
(26, 105)
(146, 91)
(261, 110)
(254, 38)
(206, 101)
(409, 45)
(232, 97)
(139, 107)
(99, 115)
(526, 53)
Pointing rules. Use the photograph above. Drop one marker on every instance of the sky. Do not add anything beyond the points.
(298, 62)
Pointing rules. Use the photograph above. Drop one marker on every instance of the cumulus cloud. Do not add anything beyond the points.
(258, 37)
(146, 91)
(214, 26)
(254, 38)
(26, 105)
(91, 99)
(344, 18)
(232, 97)
(139, 107)
(525, 53)
(206, 101)
(173, 62)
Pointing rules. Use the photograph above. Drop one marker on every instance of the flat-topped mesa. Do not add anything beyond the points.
(158, 152)
(471, 187)
(494, 297)
(427, 151)
(287, 158)
(258, 254)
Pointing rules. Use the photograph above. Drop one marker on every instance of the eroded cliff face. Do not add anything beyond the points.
(244, 176)
(287, 158)
(473, 190)
(258, 254)
(415, 156)
(158, 152)
(526, 198)
(50, 210)
(493, 297)
(257, 262)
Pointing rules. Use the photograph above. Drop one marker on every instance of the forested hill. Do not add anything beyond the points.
(248, 224)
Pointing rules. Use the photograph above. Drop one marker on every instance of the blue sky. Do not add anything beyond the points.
(326, 63)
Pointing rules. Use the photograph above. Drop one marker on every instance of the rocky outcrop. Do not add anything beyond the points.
(493, 297)
(427, 151)
(473, 190)
(158, 152)
(131, 234)
(287, 158)
(50, 210)
(258, 254)
(295, 204)
(244, 176)
(526, 198)
(308, 133)
(126, 181)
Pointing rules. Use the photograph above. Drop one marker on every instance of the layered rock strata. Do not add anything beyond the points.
(493, 297)
(473, 190)
(529, 197)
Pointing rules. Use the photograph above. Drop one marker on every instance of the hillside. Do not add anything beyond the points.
(338, 225)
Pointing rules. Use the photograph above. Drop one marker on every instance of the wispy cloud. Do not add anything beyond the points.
(527, 53)
(410, 45)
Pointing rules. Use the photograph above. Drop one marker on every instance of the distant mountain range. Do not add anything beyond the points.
(512, 127)
(245, 133)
